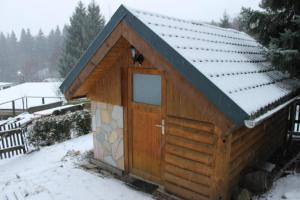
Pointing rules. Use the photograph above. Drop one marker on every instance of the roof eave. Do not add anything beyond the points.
(252, 123)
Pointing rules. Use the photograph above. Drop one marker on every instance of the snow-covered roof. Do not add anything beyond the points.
(227, 66)
(5, 84)
(33, 90)
(232, 60)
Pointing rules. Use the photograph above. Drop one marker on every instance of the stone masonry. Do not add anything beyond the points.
(107, 126)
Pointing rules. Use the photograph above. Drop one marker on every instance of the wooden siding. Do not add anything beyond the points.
(195, 149)
(189, 157)
(108, 87)
(250, 145)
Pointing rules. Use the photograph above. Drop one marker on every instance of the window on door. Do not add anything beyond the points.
(147, 89)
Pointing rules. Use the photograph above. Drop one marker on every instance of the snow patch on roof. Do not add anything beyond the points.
(232, 60)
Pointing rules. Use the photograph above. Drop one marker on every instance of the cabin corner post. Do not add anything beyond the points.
(220, 189)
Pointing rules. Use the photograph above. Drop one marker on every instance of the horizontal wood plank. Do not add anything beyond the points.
(188, 164)
(189, 154)
(189, 144)
(184, 193)
(200, 189)
(188, 175)
(190, 123)
(12, 149)
(191, 134)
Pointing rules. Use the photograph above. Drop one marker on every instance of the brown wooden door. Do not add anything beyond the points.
(145, 109)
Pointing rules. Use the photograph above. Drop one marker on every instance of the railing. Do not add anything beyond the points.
(12, 143)
(24, 103)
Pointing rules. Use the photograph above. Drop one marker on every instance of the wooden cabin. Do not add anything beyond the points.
(179, 103)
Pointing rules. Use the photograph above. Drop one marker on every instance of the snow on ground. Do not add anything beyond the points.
(4, 85)
(21, 119)
(51, 175)
(284, 188)
(50, 111)
(26, 117)
(30, 90)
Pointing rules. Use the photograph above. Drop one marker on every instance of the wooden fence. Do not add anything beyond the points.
(9, 126)
(22, 104)
(294, 132)
(12, 141)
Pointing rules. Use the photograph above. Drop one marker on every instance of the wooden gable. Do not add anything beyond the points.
(101, 79)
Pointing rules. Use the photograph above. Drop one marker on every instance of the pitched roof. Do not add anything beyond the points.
(226, 65)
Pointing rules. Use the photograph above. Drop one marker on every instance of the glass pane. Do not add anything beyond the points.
(147, 89)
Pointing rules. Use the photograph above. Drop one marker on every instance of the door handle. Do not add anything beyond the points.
(162, 126)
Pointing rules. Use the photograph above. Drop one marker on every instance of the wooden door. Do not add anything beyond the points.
(145, 123)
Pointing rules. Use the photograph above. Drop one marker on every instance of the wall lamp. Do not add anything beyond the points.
(136, 56)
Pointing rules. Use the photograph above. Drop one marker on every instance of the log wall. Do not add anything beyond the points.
(191, 146)
(251, 145)
(189, 158)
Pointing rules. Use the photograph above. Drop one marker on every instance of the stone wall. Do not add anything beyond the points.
(107, 126)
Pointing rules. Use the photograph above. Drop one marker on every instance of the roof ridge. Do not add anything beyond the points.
(204, 32)
(193, 21)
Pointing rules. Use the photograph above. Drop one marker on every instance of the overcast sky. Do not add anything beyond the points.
(47, 14)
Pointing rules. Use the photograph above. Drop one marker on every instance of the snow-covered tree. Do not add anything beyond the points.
(278, 27)
(225, 21)
(85, 24)
(95, 21)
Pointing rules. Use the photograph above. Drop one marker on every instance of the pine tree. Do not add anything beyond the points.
(33, 56)
(278, 27)
(41, 51)
(95, 21)
(84, 26)
(55, 43)
(12, 51)
(3, 58)
(224, 21)
(75, 40)
(29, 64)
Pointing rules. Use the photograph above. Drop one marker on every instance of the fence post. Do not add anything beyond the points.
(43, 100)
(26, 103)
(14, 108)
(23, 104)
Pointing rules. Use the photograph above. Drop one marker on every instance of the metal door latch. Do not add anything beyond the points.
(162, 126)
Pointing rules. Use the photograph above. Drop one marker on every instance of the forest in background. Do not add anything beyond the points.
(32, 57)
(35, 58)
(39, 57)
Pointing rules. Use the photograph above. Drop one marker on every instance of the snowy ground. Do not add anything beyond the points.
(285, 188)
(33, 91)
(50, 174)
